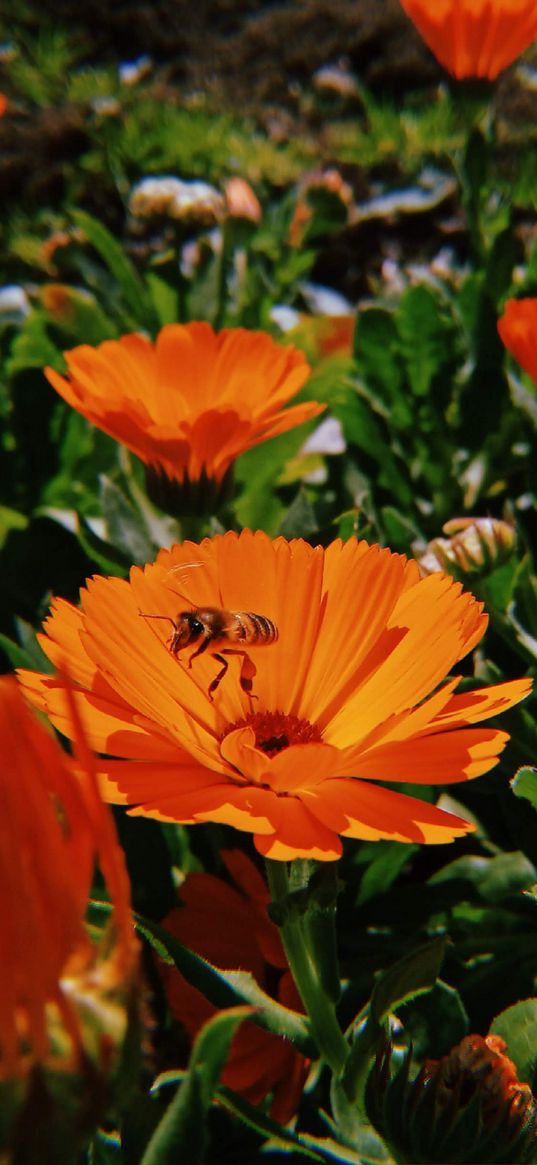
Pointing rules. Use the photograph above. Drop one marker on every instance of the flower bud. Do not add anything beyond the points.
(467, 1106)
(241, 201)
(194, 203)
(474, 546)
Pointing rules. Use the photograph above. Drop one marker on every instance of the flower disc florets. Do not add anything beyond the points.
(275, 731)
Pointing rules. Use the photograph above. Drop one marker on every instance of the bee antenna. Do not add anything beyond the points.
(167, 617)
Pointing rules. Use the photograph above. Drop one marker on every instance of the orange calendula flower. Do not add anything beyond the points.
(69, 998)
(287, 737)
(229, 926)
(192, 401)
(54, 827)
(474, 38)
(518, 331)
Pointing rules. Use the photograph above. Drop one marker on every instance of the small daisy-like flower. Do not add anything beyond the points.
(192, 401)
(518, 331)
(64, 999)
(474, 38)
(229, 926)
(287, 737)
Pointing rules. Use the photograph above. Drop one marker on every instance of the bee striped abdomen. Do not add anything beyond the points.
(256, 628)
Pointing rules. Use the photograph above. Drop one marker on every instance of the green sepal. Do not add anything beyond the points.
(414, 974)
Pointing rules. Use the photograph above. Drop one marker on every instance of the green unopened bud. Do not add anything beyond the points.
(474, 546)
(467, 1107)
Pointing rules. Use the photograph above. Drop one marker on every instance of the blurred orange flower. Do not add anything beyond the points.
(347, 696)
(518, 331)
(474, 38)
(54, 827)
(191, 402)
(229, 926)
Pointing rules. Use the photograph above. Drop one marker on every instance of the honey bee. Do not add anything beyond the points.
(206, 626)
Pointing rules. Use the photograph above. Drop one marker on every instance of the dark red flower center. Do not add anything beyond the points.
(275, 731)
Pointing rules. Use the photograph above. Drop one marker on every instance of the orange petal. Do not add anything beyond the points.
(441, 759)
(298, 834)
(357, 809)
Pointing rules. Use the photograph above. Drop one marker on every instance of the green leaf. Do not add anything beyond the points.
(78, 314)
(505, 253)
(16, 655)
(227, 989)
(517, 1025)
(378, 360)
(182, 1132)
(112, 254)
(256, 1119)
(109, 559)
(27, 653)
(525, 595)
(435, 1022)
(105, 1149)
(385, 860)
(494, 878)
(258, 507)
(415, 973)
(32, 347)
(524, 784)
(300, 520)
(424, 339)
(401, 532)
(125, 525)
(352, 1126)
(11, 520)
(165, 297)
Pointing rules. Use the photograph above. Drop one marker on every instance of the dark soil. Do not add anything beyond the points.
(250, 52)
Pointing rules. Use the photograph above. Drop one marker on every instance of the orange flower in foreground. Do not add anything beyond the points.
(518, 331)
(474, 38)
(230, 927)
(346, 697)
(190, 403)
(54, 827)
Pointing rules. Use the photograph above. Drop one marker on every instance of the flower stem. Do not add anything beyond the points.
(319, 1007)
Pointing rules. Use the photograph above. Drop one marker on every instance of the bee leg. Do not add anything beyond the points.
(219, 677)
(248, 671)
(202, 647)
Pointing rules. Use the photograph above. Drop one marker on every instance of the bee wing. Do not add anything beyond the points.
(179, 574)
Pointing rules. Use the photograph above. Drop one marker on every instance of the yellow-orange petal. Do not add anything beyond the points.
(358, 809)
(481, 704)
(431, 627)
(440, 759)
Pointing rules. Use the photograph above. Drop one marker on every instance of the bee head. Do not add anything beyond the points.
(188, 629)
